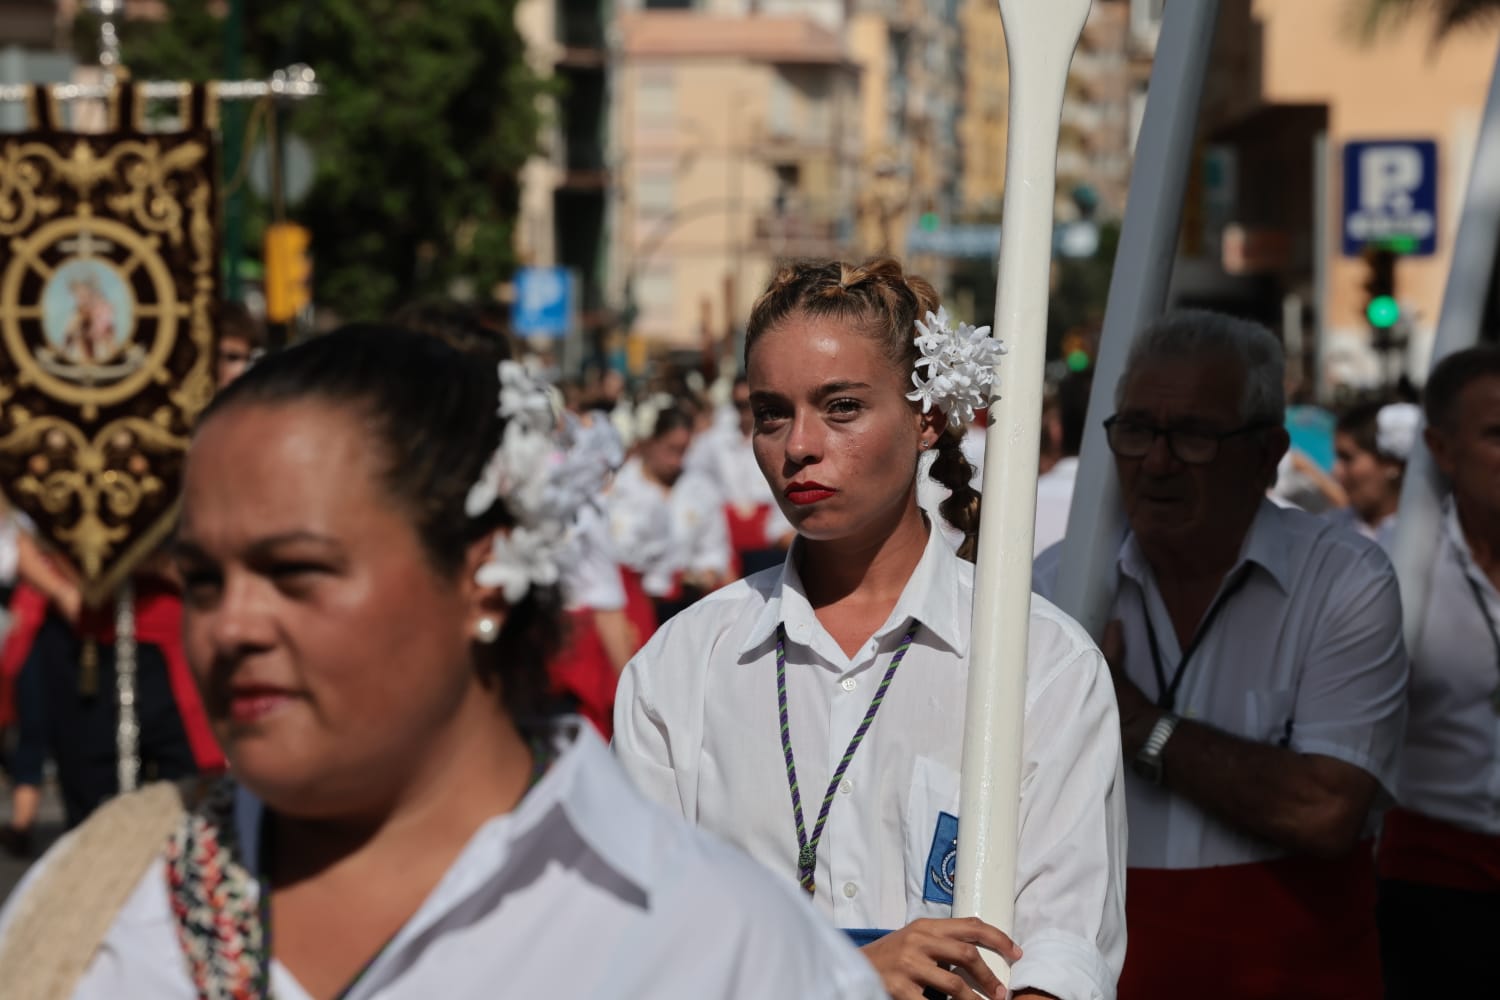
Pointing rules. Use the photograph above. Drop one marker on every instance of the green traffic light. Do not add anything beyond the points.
(1382, 312)
(1077, 361)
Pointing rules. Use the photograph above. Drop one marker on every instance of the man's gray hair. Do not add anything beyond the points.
(1198, 335)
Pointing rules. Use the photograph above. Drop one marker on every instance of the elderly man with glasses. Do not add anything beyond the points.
(1261, 677)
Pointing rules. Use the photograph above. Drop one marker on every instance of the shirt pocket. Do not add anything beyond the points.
(1269, 716)
(931, 839)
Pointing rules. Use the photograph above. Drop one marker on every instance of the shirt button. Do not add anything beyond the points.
(850, 890)
(848, 684)
(846, 786)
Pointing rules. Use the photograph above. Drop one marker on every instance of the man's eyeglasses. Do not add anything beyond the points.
(1130, 438)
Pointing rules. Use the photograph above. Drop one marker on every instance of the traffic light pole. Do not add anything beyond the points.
(1419, 526)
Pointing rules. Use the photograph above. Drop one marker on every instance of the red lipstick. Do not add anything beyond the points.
(803, 494)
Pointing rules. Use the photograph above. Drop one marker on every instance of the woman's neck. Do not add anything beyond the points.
(478, 768)
(869, 570)
(1376, 514)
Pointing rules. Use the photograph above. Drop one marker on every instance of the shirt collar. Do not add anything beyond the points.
(934, 595)
(584, 783)
(1264, 546)
(1454, 529)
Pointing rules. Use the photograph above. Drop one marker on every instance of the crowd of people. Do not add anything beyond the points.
(531, 685)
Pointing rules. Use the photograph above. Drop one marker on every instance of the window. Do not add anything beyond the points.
(655, 296)
(655, 194)
(655, 101)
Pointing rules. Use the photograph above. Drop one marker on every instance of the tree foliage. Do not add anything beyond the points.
(426, 115)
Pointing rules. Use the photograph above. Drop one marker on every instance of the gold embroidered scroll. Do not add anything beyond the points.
(108, 280)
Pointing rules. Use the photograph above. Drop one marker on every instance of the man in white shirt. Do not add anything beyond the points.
(1261, 679)
(1440, 851)
(1054, 488)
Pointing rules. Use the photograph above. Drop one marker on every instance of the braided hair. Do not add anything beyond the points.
(879, 299)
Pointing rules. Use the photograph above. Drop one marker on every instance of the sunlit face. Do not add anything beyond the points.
(662, 456)
(1169, 501)
(329, 651)
(835, 435)
(1467, 448)
(1371, 483)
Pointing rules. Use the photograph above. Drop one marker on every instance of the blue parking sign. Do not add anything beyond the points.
(1390, 196)
(544, 302)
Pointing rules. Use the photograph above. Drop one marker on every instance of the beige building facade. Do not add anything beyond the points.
(1292, 84)
(737, 144)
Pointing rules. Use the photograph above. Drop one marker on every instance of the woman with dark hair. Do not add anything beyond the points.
(1371, 444)
(668, 530)
(369, 556)
(813, 713)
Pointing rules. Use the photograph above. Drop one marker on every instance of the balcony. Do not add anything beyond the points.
(581, 32)
(800, 234)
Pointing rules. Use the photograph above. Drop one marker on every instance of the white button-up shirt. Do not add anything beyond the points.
(696, 725)
(584, 890)
(1451, 771)
(590, 575)
(1054, 499)
(660, 533)
(1307, 654)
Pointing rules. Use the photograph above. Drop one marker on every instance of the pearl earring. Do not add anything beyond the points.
(487, 630)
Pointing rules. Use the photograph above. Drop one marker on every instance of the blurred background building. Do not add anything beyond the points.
(685, 146)
(1293, 85)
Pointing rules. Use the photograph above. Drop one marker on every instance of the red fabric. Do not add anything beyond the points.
(582, 669)
(639, 608)
(1417, 848)
(747, 529)
(158, 621)
(1286, 929)
(28, 609)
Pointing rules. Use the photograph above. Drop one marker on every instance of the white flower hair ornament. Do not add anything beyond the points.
(1396, 430)
(960, 362)
(522, 474)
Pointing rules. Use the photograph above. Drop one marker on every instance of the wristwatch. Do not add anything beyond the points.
(1147, 762)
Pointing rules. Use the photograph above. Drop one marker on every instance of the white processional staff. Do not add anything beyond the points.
(1040, 36)
(1420, 524)
(1137, 295)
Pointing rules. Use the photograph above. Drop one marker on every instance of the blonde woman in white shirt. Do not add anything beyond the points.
(845, 670)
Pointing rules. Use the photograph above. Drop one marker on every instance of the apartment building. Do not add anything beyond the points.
(737, 145)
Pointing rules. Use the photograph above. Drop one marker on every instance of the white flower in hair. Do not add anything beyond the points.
(523, 558)
(960, 363)
(1396, 430)
(525, 400)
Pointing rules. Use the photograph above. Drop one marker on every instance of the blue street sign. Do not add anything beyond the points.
(955, 241)
(544, 302)
(1390, 196)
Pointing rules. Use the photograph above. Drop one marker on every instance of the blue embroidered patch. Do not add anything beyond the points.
(942, 861)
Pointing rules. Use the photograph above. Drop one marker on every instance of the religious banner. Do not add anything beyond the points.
(108, 282)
